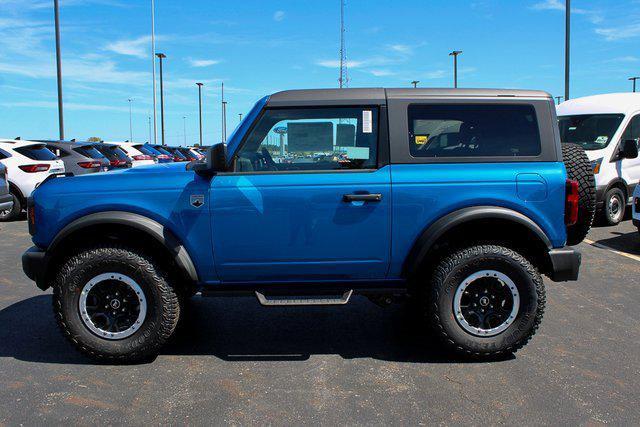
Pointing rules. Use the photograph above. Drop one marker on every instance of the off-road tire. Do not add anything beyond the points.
(608, 216)
(15, 212)
(452, 270)
(579, 169)
(163, 307)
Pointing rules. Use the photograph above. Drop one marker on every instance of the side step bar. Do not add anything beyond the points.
(304, 301)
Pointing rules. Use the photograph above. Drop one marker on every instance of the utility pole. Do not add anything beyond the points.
(223, 104)
(130, 121)
(415, 83)
(184, 129)
(153, 72)
(59, 69)
(567, 48)
(455, 54)
(161, 56)
(633, 79)
(150, 139)
(343, 80)
(240, 115)
(200, 108)
(559, 98)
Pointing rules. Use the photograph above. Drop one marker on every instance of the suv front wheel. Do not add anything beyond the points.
(485, 301)
(114, 303)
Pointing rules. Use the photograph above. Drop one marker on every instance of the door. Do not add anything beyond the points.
(630, 168)
(305, 201)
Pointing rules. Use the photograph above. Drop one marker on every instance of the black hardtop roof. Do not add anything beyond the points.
(380, 95)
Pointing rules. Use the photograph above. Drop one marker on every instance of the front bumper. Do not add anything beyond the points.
(6, 202)
(34, 264)
(565, 264)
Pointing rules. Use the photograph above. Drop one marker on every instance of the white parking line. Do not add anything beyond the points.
(601, 246)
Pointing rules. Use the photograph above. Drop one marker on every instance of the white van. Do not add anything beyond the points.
(608, 128)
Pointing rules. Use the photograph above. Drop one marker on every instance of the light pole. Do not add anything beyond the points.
(153, 72)
(130, 121)
(240, 115)
(558, 99)
(150, 139)
(633, 79)
(200, 108)
(455, 54)
(161, 56)
(224, 121)
(567, 48)
(184, 129)
(224, 106)
(59, 68)
(415, 83)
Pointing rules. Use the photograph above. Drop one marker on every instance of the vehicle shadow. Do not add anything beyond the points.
(624, 242)
(239, 329)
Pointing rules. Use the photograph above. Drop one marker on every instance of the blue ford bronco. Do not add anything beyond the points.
(457, 198)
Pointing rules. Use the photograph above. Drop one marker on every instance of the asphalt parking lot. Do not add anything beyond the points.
(235, 362)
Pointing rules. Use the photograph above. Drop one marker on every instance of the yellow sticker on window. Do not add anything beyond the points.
(421, 139)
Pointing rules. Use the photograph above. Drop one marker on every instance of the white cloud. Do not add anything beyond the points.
(334, 63)
(592, 16)
(628, 58)
(437, 74)
(401, 48)
(548, 5)
(620, 32)
(139, 47)
(278, 16)
(199, 63)
(382, 73)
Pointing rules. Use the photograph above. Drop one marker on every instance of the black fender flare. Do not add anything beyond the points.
(142, 223)
(433, 232)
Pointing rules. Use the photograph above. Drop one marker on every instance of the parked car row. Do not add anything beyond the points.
(25, 164)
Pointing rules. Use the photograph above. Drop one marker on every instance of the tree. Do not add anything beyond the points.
(94, 139)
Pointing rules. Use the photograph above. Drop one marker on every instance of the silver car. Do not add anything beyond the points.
(79, 157)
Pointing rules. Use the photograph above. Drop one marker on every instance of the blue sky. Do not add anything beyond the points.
(258, 47)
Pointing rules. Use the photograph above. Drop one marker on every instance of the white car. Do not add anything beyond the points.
(138, 158)
(608, 128)
(636, 207)
(28, 163)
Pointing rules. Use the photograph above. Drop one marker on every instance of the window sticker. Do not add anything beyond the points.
(421, 139)
(602, 139)
(367, 121)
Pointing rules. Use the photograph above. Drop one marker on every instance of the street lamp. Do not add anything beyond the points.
(633, 79)
(567, 48)
(161, 56)
(224, 121)
(184, 129)
(415, 83)
(153, 70)
(455, 54)
(240, 115)
(58, 68)
(200, 108)
(130, 121)
(559, 98)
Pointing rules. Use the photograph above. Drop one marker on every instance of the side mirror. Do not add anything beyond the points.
(215, 161)
(628, 149)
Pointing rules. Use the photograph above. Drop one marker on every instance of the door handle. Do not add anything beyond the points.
(362, 197)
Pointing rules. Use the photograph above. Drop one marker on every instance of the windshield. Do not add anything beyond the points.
(591, 131)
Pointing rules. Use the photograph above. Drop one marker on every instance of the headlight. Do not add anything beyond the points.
(595, 165)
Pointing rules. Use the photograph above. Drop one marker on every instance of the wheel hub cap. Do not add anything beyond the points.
(486, 303)
(112, 306)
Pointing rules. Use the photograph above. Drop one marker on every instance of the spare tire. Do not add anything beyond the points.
(579, 169)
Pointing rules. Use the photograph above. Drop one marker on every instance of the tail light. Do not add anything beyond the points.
(142, 157)
(34, 168)
(90, 165)
(571, 202)
(117, 162)
(164, 157)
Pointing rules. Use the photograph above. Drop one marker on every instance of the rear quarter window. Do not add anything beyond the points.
(473, 130)
(90, 152)
(36, 152)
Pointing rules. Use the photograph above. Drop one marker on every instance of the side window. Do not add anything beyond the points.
(57, 151)
(633, 130)
(4, 155)
(473, 130)
(317, 139)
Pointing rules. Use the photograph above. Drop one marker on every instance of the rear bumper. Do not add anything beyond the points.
(6, 202)
(565, 264)
(34, 265)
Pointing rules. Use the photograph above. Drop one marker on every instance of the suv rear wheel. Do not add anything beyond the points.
(485, 301)
(114, 303)
(13, 213)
